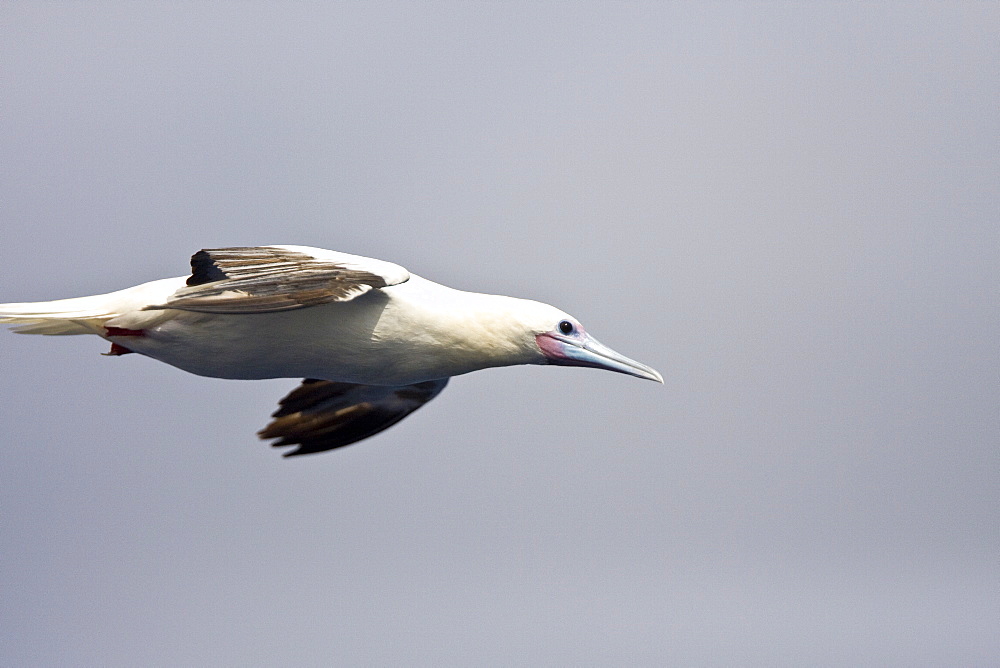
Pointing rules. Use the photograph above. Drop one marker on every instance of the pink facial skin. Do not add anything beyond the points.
(550, 346)
(554, 348)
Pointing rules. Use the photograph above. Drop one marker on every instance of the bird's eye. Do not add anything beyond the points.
(566, 327)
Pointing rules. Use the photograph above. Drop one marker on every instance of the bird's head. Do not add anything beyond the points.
(500, 331)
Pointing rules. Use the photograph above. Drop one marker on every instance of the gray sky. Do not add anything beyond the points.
(791, 210)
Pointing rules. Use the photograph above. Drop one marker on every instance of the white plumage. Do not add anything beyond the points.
(373, 341)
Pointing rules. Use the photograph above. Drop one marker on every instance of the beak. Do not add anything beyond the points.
(588, 351)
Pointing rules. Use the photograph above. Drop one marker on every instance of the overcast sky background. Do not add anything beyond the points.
(791, 210)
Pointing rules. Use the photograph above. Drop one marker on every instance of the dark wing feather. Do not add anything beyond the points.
(321, 415)
(265, 279)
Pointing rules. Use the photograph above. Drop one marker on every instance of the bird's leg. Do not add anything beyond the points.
(116, 348)
(121, 331)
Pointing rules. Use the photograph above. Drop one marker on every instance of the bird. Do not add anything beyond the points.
(371, 341)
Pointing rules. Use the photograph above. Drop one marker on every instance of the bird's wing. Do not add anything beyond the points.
(265, 279)
(322, 415)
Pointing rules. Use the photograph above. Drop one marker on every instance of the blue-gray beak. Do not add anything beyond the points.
(585, 350)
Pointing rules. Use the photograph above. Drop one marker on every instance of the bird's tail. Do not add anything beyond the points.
(88, 315)
(82, 315)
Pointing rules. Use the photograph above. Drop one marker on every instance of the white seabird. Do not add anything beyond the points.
(372, 341)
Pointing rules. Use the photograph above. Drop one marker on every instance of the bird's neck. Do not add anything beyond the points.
(458, 332)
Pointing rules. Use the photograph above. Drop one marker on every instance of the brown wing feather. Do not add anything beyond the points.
(265, 279)
(321, 415)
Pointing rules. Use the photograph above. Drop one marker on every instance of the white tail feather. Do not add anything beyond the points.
(51, 326)
(86, 315)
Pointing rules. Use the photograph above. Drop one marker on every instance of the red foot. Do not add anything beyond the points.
(121, 331)
(118, 350)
